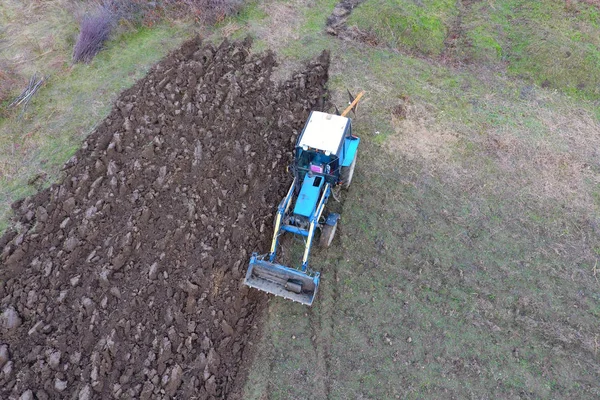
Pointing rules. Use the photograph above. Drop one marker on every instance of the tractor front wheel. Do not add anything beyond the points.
(347, 173)
(327, 234)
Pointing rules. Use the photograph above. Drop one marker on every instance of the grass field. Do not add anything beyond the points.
(466, 264)
(466, 261)
(412, 25)
(552, 43)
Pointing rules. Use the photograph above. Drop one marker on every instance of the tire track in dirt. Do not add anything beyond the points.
(319, 343)
(456, 39)
(322, 323)
(336, 24)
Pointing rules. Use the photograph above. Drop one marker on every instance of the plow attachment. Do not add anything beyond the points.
(282, 281)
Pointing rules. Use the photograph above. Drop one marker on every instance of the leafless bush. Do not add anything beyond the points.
(94, 30)
(9, 82)
(569, 3)
(132, 11)
(213, 11)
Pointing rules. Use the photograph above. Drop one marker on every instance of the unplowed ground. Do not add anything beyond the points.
(125, 279)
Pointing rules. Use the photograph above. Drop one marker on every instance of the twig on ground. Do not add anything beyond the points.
(25, 97)
(35, 58)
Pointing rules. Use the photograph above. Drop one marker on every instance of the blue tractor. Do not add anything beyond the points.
(325, 157)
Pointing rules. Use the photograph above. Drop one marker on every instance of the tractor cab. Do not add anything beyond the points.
(318, 152)
(321, 147)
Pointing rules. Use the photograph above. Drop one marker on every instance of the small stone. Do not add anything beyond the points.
(42, 214)
(27, 395)
(227, 329)
(340, 11)
(32, 298)
(147, 391)
(213, 360)
(75, 357)
(7, 369)
(174, 380)
(90, 212)
(35, 327)
(409, 340)
(117, 390)
(69, 205)
(10, 319)
(88, 304)
(112, 168)
(70, 244)
(153, 271)
(30, 214)
(54, 359)
(85, 393)
(115, 292)
(4, 355)
(148, 152)
(164, 380)
(42, 395)
(60, 385)
(65, 222)
(211, 386)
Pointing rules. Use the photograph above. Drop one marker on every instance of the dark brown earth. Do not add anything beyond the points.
(336, 24)
(125, 280)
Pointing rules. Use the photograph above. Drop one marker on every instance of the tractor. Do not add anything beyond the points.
(325, 157)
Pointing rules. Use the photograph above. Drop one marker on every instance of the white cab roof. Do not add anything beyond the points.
(324, 132)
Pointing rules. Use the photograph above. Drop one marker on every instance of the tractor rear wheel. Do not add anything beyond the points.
(347, 173)
(327, 234)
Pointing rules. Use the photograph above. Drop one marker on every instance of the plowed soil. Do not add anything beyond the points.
(125, 280)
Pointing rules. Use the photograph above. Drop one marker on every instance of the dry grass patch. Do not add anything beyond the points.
(569, 3)
(9, 85)
(418, 134)
(37, 35)
(541, 172)
(283, 25)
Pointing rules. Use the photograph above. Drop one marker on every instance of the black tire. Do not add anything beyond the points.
(327, 235)
(347, 173)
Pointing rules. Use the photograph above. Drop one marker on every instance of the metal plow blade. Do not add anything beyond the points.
(282, 281)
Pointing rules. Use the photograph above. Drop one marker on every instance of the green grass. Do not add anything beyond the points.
(459, 257)
(416, 25)
(251, 13)
(75, 99)
(543, 41)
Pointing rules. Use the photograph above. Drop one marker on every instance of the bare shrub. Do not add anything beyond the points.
(212, 11)
(132, 11)
(94, 30)
(9, 81)
(570, 6)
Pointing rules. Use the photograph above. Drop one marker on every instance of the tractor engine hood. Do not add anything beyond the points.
(308, 198)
